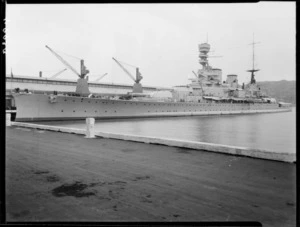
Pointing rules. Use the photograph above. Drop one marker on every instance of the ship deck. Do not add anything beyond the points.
(53, 176)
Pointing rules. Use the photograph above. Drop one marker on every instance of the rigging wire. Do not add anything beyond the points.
(127, 64)
(68, 55)
(239, 46)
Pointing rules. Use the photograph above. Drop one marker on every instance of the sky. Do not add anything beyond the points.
(161, 39)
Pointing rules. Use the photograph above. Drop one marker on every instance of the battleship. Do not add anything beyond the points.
(207, 94)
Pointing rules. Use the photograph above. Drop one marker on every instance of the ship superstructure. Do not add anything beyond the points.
(208, 85)
(210, 74)
(205, 95)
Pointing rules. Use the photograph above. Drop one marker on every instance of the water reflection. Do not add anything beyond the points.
(274, 132)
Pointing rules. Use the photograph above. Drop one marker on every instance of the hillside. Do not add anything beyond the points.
(281, 90)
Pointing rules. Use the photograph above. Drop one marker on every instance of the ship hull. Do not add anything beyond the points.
(40, 107)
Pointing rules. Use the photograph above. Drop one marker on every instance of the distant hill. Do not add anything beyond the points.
(282, 90)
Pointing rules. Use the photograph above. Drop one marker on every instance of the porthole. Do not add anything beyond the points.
(73, 111)
(62, 110)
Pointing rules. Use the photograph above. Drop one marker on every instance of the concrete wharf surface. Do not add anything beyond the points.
(53, 176)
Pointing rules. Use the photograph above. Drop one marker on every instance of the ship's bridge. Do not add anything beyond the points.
(203, 61)
(214, 73)
(204, 47)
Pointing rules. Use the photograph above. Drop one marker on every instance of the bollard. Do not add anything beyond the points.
(90, 132)
(8, 119)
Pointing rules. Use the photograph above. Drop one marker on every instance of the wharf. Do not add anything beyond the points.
(53, 176)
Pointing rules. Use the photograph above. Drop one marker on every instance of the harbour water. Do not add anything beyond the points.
(274, 132)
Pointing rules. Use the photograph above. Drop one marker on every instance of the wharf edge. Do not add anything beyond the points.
(217, 148)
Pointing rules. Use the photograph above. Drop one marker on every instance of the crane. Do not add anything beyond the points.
(100, 77)
(83, 69)
(137, 87)
(138, 74)
(57, 74)
(82, 87)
